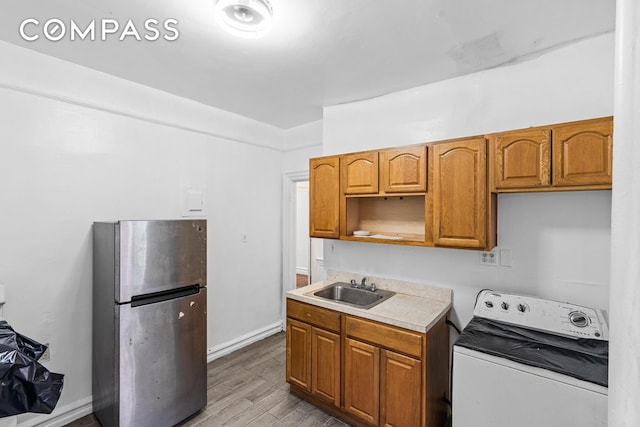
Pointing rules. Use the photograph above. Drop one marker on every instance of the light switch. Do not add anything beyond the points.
(193, 204)
(194, 200)
(505, 258)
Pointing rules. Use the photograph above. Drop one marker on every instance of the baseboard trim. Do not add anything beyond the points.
(62, 415)
(302, 270)
(65, 414)
(223, 349)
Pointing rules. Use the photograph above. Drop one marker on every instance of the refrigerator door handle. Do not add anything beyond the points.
(140, 300)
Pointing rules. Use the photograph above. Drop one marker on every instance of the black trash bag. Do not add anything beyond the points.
(25, 385)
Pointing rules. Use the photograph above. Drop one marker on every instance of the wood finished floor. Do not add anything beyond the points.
(247, 388)
(301, 280)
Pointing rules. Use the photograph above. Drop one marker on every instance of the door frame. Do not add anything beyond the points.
(289, 181)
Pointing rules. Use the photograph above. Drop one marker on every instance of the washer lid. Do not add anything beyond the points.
(560, 318)
(584, 359)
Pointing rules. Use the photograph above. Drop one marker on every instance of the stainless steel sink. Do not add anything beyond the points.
(344, 293)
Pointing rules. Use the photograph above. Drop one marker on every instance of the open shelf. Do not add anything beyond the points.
(387, 218)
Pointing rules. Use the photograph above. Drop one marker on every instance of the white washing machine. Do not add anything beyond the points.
(529, 362)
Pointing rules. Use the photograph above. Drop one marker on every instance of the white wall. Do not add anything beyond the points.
(624, 345)
(79, 146)
(302, 143)
(559, 242)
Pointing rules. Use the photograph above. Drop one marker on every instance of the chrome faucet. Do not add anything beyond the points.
(363, 284)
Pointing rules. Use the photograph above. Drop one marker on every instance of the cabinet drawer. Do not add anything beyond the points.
(313, 315)
(390, 337)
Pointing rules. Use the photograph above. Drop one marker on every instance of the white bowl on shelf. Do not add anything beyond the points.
(361, 233)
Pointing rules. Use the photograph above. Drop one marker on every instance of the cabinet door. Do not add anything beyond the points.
(362, 380)
(324, 197)
(325, 365)
(359, 173)
(460, 193)
(522, 159)
(404, 170)
(299, 354)
(582, 153)
(400, 390)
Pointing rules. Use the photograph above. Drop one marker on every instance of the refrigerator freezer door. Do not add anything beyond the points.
(162, 361)
(157, 256)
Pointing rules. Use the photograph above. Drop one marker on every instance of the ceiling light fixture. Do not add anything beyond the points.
(245, 18)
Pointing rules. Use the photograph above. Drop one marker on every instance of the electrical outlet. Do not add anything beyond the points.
(489, 258)
(46, 356)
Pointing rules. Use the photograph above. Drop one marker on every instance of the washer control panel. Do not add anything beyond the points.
(554, 317)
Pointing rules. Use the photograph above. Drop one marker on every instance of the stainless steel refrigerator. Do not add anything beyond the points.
(149, 321)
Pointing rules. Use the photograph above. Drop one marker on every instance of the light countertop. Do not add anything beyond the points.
(415, 307)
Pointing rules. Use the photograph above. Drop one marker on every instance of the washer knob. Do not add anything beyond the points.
(504, 305)
(579, 319)
(488, 304)
(522, 308)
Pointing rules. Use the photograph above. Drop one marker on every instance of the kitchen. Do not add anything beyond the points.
(81, 145)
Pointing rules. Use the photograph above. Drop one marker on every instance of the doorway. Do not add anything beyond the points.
(310, 261)
(303, 242)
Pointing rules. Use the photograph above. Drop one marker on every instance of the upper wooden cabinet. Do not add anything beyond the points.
(359, 173)
(582, 153)
(383, 193)
(324, 197)
(460, 201)
(445, 193)
(397, 170)
(570, 156)
(403, 170)
(522, 158)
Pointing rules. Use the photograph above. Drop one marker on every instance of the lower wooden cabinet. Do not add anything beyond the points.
(398, 374)
(382, 387)
(299, 354)
(325, 365)
(365, 372)
(362, 380)
(313, 355)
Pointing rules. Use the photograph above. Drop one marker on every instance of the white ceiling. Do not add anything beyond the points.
(319, 52)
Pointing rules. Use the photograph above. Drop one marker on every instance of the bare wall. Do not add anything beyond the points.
(79, 146)
(560, 242)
